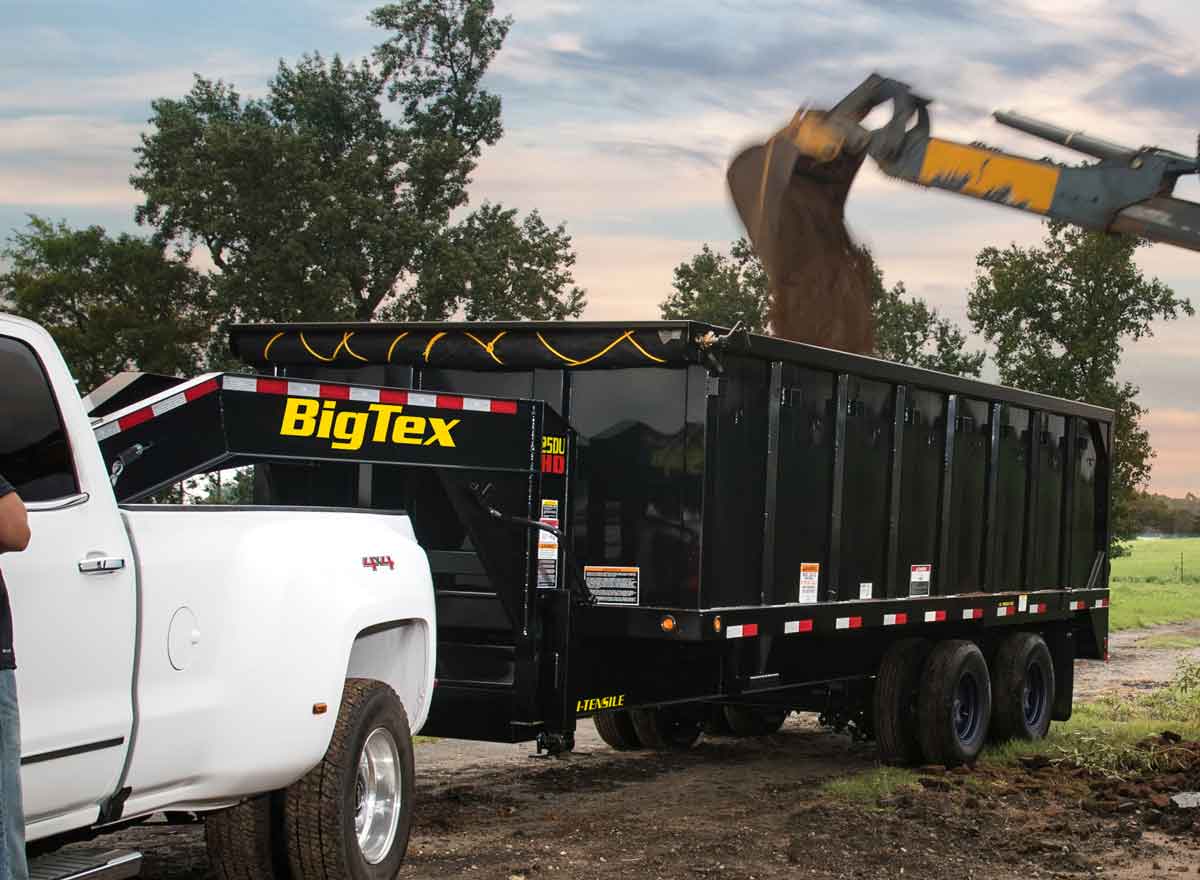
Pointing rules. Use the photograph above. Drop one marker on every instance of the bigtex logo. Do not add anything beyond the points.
(384, 422)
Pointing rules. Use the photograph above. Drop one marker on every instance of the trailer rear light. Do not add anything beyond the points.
(667, 624)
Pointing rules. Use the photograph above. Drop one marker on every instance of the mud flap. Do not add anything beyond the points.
(1062, 649)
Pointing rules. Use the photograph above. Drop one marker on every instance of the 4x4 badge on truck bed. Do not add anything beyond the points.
(374, 562)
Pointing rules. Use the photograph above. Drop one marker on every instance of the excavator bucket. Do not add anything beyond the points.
(790, 193)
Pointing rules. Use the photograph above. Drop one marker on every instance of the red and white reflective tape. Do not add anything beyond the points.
(1077, 605)
(1037, 607)
(849, 623)
(741, 631)
(895, 619)
(792, 627)
(935, 616)
(264, 385)
(1101, 603)
(972, 613)
(1006, 610)
(158, 408)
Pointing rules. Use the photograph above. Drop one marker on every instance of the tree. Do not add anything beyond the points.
(908, 331)
(500, 269)
(720, 289)
(1058, 315)
(111, 304)
(315, 204)
(724, 289)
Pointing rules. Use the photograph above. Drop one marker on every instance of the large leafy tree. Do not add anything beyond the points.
(314, 203)
(1058, 315)
(721, 289)
(724, 288)
(111, 304)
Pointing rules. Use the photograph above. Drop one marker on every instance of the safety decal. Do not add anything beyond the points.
(613, 584)
(547, 556)
(810, 579)
(866, 590)
(918, 580)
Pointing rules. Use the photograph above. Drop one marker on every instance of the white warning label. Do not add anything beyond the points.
(612, 584)
(547, 555)
(918, 580)
(866, 590)
(810, 581)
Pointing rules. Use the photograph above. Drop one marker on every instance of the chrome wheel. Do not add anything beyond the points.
(377, 792)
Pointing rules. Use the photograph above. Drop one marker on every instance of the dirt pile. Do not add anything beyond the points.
(793, 209)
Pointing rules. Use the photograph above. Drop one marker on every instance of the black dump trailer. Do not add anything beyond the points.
(672, 527)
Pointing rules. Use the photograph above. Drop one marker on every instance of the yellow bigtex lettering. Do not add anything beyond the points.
(349, 429)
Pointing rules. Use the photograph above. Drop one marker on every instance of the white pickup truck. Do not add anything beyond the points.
(240, 663)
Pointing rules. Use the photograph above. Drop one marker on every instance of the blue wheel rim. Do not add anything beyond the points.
(1033, 694)
(966, 709)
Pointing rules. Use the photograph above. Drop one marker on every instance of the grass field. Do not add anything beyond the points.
(1146, 585)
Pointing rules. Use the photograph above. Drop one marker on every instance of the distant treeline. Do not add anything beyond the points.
(1167, 516)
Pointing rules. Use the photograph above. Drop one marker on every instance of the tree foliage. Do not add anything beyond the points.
(720, 289)
(1058, 315)
(111, 304)
(313, 203)
(723, 289)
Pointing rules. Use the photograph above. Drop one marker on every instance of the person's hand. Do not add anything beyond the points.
(14, 524)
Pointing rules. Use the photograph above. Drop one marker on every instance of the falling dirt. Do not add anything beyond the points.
(793, 209)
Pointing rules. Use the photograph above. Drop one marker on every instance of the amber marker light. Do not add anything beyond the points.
(320, 708)
(667, 624)
(717, 624)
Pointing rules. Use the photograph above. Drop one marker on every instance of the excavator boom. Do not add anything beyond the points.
(790, 193)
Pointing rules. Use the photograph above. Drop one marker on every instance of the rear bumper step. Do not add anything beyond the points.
(89, 864)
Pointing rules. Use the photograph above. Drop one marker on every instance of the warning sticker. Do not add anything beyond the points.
(547, 566)
(918, 580)
(612, 584)
(810, 579)
(866, 590)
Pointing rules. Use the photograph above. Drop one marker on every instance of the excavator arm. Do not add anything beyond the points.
(790, 193)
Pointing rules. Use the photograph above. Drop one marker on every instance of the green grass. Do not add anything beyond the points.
(1170, 642)
(1146, 589)
(1103, 736)
(870, 785)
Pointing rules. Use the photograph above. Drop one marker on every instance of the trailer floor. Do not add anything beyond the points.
(754, 809)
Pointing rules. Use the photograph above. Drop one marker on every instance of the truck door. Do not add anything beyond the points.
(72, 593)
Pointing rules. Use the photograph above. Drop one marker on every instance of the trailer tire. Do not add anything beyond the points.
(369, 763)
(616, 729)
(954, 705)
(246, 842)
(897, 687)
(1023, 688)
(668, 728)
(754, 720)
(715, 723)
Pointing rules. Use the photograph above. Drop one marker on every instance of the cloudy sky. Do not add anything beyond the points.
(620, 116)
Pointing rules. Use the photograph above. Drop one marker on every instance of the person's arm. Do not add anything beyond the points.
(14, 522)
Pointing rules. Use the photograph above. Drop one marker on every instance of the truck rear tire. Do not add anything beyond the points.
(246, 842)
(349, 818)
(668, 728)
(754, 720)
(954, 705)
(896, 689)
(616, 728)
(1022, 688)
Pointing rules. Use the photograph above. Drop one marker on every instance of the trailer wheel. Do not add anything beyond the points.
(754, 720)
(246, 842)
(1022, 688)
(349, 818)
(616, 728)
(954, 704)
(896, 688)
(715, 723)
(669, 728)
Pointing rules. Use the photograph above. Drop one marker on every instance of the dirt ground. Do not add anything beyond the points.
(754, 809)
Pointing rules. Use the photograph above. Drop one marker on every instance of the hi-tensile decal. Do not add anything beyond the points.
(382, 423)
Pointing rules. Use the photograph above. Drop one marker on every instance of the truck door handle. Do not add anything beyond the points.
(101, 564)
